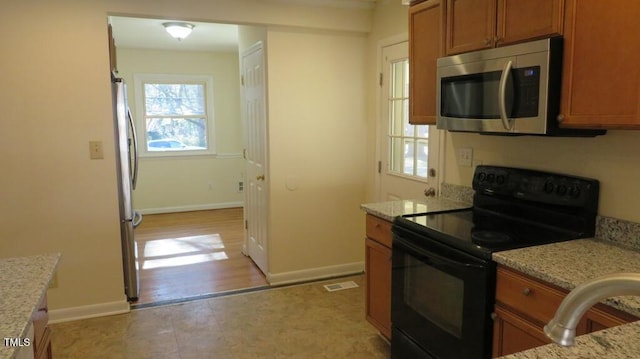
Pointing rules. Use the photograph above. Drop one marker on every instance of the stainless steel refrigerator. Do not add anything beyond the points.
(126, 143)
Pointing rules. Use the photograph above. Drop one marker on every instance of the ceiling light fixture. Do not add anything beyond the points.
(178, 30)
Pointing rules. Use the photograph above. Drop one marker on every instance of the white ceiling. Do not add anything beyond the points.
(138, 33)
(144, 33)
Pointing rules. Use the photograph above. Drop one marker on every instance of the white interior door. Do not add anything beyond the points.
(255, 118)
(408, 162)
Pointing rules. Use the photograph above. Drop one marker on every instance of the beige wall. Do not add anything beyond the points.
(317, 150)
(195, 182)
(390, 24)
(55, 96)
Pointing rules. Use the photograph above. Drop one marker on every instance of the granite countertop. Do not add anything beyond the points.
(569, 264)
(23, 283)
(390, 210)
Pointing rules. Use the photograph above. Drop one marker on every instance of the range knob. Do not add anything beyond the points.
(482, 176)
(500, 179)
(561, 190)
(574, 191)
(491, 177)
(549, 187)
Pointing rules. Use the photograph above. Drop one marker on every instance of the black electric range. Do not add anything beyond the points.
(514, 208)
(443, 278)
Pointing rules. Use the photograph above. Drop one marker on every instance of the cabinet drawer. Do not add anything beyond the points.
(526, 295)
(379, 230)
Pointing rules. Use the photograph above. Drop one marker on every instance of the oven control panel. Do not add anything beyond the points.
(536, 186)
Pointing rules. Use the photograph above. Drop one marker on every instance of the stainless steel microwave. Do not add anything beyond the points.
(512, 90)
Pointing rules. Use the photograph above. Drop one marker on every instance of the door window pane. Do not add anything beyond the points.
(408, 153)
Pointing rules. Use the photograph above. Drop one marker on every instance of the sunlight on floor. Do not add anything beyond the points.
(173, 252)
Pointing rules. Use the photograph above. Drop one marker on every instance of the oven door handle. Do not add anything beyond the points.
(430, 256)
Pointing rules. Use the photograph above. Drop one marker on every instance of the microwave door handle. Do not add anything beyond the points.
(502, 105)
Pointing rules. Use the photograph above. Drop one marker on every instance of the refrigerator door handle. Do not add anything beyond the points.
(137, 219)
(134, 177)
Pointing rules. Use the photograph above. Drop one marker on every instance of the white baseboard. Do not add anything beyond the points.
(89, 311)
(197, 207)
(315, 273)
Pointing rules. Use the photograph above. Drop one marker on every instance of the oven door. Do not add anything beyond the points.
(441, 300)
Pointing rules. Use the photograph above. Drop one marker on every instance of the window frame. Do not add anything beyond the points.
(141, 79)
(402, 136)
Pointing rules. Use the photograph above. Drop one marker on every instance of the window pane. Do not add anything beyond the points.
(409, 151)
(408, 129)
(397, 81)
(395, 118)
(176, 134)
(422, 131)
(422, 156)
(174, 99)
(396, 160)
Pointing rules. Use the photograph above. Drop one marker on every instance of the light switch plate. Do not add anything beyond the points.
(96, 151)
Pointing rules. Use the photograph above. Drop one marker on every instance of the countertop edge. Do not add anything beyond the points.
(46, 265)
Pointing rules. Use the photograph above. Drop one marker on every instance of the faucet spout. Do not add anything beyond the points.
(562, 328)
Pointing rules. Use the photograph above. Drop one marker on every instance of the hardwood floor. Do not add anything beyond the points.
(191, 254)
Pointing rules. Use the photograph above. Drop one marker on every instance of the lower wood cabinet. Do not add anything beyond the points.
(41, 332)
(524, 305)
(378, 274)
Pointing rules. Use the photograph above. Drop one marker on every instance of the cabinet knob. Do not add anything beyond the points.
(560, 118)
(526, 291)
(487, 41)
(494, 316)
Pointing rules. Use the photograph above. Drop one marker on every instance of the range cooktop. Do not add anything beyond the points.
(512, 208)
(481, 234)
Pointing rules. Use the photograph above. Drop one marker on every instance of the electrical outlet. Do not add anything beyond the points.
(240, 186)
(465, 156)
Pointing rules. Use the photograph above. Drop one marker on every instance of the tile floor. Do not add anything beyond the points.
(303, 321)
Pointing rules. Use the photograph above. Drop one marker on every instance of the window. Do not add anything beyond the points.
(408, 144)
(175, 114)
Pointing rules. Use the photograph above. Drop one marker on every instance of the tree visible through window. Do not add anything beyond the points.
(175, 114)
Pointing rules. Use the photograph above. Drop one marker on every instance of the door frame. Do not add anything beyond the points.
(380, 131)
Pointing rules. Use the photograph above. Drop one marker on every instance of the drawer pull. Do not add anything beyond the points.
(526, 291)
(378, 225)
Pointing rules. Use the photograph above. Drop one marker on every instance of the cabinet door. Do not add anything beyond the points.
(425, 46)
(471, 25)
(599, 318)
(601, 76)
(524, 20)
(378, 282)
(512, 333)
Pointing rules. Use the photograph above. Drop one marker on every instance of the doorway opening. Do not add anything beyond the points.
(193, 254)
(191, 243)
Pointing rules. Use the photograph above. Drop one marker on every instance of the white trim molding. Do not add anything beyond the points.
(89, 311)
(195, 207)
(315, 273)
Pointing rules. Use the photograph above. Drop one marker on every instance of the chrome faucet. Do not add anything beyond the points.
(562, 328)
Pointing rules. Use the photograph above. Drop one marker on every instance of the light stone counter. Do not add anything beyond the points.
(569, 264)
(392, 209)
(23, 284)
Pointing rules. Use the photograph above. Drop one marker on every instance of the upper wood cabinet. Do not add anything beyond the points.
(480, 24)
(425, 46)
(600, 75)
